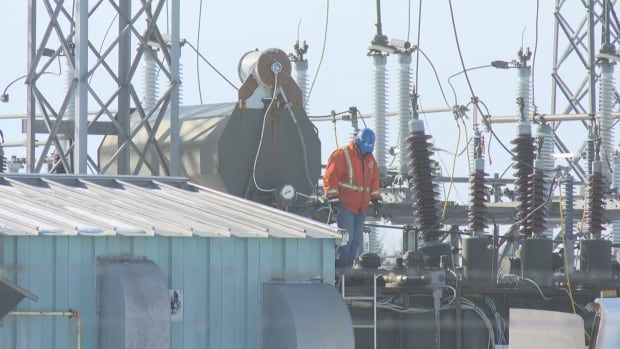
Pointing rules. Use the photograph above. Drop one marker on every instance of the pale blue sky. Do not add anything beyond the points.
(488, 30)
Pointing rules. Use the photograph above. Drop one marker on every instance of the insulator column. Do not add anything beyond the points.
(300, 64)
(425, 204)
(537, 223)
(544, 135)
(478, 190)
(69, 77)
(524, 91)
(615, 226)
(404, 108)
(606, 103)
(381, 123)
(569, 218)
(523, 164)
(595, 214)
(150, 81)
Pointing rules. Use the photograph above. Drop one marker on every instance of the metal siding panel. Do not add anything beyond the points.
(62, 329)
(240, 276)
(328, 253)
(23, 279)
(228, 293)
(87, 310)
(215, 293)
(304, 263)
(190, 293)
(291, 268)
(7, 331)
(138, 247)
(176, 282)
(126, 245)
(277, 260)
(200, 281)
(252, 292)
(46, 282)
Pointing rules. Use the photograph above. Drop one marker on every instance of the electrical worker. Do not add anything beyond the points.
(351, 181)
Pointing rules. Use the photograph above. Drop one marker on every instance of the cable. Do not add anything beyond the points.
(197, 50)
(534, 55)
(210, 65)
(408, 20)
(461, 72)
(417, 55)
(458, 46)
(436, 77)
(262, 135)
(445, 203)
(537, 287)
(105, 36)
(318, 68)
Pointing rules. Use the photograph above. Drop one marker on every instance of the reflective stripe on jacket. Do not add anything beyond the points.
(351, 177)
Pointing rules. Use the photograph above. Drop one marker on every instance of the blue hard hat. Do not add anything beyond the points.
(365, 141)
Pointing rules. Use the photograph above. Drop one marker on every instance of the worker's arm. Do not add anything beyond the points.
(333, 173)
(375, 182)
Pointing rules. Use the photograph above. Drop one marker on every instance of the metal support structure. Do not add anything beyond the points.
(575, 47)
(55, 21)
(69, 314)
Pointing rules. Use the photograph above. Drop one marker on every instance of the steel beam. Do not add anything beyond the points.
(124, 62)
(31, 106)
(175, 53)
(80, 152)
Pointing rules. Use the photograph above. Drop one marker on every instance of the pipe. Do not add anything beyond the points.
(506, 119)
(70, 314)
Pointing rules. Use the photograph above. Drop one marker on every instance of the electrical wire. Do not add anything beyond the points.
(534, 55)
(262, 136)
(537, 287)
(417, 54)
(318, 68)
(198, 50)
(408, 20)
(458, 46)
(105, 36)
(436, 77)
(445, 203)
(211, 65)
(461, 72)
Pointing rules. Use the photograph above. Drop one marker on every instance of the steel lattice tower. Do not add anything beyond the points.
(66, 33)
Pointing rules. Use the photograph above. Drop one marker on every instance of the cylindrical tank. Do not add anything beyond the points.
(477, 259)
(537, 261)
(263, 64)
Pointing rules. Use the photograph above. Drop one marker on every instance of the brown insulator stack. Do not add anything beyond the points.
(478, 193)
(595, 214)
(425, 204)
(537, 222)
(523, 165)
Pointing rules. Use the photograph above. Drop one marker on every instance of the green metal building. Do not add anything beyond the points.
(212, 251)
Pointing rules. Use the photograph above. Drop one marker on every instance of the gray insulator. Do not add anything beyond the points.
(569, 218)
(595, 214)
(606, 102)
(404, 108)
(478, 193)
(69, 77)
(425, 204)
(374, 244)
(524, 90)
(544, 133)
(380, 100)
(537, 223)
(615, 225)
(150, 81)
(301, 77)
(523, 164)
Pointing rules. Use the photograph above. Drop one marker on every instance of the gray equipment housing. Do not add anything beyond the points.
(305, 315)
(133, 303)
(218, 147)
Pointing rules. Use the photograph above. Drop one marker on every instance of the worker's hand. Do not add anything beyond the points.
(376, 208)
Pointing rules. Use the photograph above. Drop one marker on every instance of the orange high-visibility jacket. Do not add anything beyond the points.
(351, 177)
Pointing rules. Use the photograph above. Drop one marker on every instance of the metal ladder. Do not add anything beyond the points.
(365, 298)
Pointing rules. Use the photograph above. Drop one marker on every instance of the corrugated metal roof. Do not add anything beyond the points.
(139, 206)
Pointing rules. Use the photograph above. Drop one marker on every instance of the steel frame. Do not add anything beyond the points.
(579, 40)
(76, 45)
